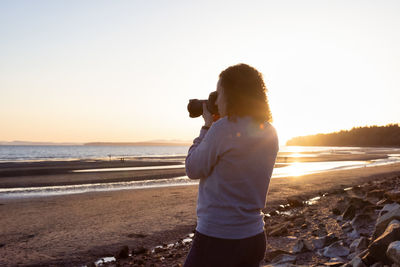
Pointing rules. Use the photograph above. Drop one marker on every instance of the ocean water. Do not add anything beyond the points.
(37, 153)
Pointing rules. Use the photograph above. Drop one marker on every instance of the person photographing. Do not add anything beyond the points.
(233, 157)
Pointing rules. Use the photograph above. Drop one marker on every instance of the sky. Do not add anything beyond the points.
(123, 71)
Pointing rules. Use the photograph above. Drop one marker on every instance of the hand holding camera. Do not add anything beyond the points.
(207, 116)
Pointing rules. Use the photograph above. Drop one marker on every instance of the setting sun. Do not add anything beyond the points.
(199, 133)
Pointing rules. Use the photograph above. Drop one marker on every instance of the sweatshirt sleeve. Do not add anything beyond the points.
(203, 155)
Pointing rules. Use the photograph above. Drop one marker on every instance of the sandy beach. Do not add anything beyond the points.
(80, 228)
(52, 173)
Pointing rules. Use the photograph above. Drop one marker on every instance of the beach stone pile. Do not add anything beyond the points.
(362, 229)
(165, 255)
(350, 227)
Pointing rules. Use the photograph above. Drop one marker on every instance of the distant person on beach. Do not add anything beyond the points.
(233, 158)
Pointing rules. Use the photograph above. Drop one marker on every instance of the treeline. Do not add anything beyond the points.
(388, 135)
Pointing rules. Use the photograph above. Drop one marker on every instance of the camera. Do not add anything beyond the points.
(195, 106)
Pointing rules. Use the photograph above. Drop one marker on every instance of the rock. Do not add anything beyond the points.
(334, 263)
(140, 250)
(363, 223)
(321, 242)
(377, 249)
(302, 245)
(352, 255)
(282, 265)
(122, 253)
(320, 232)
(283, 207)
(387, 208)
(384, 220)
(359, 244)
(346, 227)
(274, 213)
(377, 264)
(393, 252)
(353, 234)
(330, 238)
(341, 205)
(279, 230)
(336, 250)
(393, 195)
(382, 202)
(358, 203)
(357, 262)
(367, 259)
(284, 258)
(336, 211)
(272, 254)
(159, 249)
(356, 191)
(369, 210)
(357, 254)
(295, 201)
(375, 195)
(349, 213)
(337, 260)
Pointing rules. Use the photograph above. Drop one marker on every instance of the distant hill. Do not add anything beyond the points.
(388, 135)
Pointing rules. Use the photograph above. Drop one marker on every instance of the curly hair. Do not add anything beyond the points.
(245, 93)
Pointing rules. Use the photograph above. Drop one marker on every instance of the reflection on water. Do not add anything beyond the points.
(300, 155)
(301, 168)
(98, 187)
(288, 170)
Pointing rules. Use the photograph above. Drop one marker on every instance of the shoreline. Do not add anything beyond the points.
(117, 184)
(57, 173)
(8, 169)
(81, 172)
(78, 229)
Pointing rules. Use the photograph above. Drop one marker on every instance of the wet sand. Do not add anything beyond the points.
(52, 173)
(55, 173)
(77, 229)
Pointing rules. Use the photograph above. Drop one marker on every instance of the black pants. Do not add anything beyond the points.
(209, 251)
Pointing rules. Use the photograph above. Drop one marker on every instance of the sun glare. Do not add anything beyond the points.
(296, 169)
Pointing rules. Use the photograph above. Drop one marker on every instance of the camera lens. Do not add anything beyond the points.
(195, 106)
